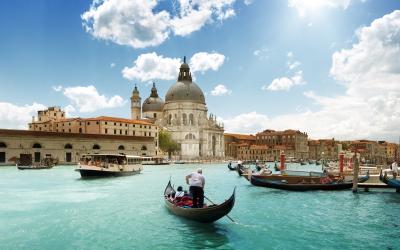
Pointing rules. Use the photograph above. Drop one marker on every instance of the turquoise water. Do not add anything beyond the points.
(55, 209)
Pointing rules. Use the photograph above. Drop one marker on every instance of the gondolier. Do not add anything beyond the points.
(196, 182)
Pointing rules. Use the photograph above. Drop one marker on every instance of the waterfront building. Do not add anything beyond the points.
(293, 142)
(370, 151)
(234, 141)
(326, 149)
(253, 152)
(185, 117)
(390, 150)
(67, 148)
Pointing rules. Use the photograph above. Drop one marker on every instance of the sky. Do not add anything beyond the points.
(330, 68)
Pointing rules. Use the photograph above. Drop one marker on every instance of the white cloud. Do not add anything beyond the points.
(248, 2)
(246, 123)
(138, 24)
(370, 106)
(261, 54)
(151, 66)
(57, 88)
(69, 110)
(304, 7)
(285, 83)
(203, 61)
(127, 22)
(220, 90)
(112, 65)
(292, 63)
(13, 116)
(87, 99)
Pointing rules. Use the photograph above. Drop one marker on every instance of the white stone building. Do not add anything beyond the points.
(184, 115)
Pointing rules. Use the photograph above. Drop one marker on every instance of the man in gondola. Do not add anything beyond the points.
(196, 184)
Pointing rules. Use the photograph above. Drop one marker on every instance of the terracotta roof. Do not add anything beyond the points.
(103, 118)
(12, 132)
(273, 132)
(241, 136)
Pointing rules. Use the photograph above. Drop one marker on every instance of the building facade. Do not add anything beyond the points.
(234, 141)
(67, 148)
(184, 115)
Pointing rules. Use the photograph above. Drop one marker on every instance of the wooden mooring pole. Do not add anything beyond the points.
(355, 173)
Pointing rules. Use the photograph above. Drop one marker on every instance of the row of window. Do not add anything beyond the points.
(69, 146)
(186, 120)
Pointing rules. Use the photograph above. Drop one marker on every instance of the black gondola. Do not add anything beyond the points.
(204, 215)
(281, 184)
(240, 169)
(231, 167)
(394, 183)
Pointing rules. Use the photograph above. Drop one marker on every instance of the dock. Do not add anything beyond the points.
(367, 186)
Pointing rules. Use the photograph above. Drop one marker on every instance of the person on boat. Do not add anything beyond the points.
(179, 193)
(394, 169)
(196, 184)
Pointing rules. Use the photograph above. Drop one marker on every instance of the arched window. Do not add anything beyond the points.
(190, 137)
(169, 119)
(184, 119)
(191, 119)
(37, 145)
(144, 147)
(96, 146)
(3, 145)
(68, 146)
(121, 147)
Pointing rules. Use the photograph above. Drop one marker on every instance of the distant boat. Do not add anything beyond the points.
(303, 163)
(46, 163)
(231, 167)
(324, 184)
(207, 214)
(147, 160)
(394, 183)
(109, 165)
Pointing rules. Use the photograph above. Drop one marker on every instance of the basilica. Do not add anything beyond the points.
(184, 115)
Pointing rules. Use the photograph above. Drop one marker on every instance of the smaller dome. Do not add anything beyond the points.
(153, 103)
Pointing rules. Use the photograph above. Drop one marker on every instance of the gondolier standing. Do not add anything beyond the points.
(196, 182)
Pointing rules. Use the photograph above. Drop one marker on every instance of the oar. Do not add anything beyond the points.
(216, 204)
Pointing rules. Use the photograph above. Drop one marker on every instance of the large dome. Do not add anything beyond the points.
(184, 89)
(153, 103)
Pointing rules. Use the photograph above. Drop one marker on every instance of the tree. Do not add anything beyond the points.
(167, 144)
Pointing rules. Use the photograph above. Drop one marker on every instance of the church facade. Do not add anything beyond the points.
(185, 115)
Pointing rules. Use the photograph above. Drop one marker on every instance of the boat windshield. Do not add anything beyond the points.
(114, 159)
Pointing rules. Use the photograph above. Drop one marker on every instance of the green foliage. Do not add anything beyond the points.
(166, 143)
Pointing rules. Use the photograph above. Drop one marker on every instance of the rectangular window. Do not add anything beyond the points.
(68, 157)
(97, 123)
(105, 123)
(126, 132)
(120, 132)
(69, 130)
(2, 157)
(105, 131)
(115, 123)
(115, 131)
(37, 156)
(88, 123)
(145, 134)
(133, 132)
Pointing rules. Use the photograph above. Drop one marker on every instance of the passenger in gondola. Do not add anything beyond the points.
(179, 193)
(196, 184)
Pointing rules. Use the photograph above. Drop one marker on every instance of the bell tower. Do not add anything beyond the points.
(136, 106)
(184, 72)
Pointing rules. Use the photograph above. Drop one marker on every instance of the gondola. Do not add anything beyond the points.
(204, 215)
(283, 184)
(231, 167)
(394, 183)
(240, 169)
(34, 167)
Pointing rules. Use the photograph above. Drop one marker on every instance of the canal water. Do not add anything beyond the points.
(55, 209)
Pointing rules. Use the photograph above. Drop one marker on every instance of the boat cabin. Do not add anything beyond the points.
(118, 159)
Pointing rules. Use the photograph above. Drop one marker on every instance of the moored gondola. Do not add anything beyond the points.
(394, 183)
(34, 167)
(204, 215)
(231, 167)
(323, 185)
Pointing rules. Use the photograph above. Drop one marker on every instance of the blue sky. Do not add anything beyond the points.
(274, 59)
